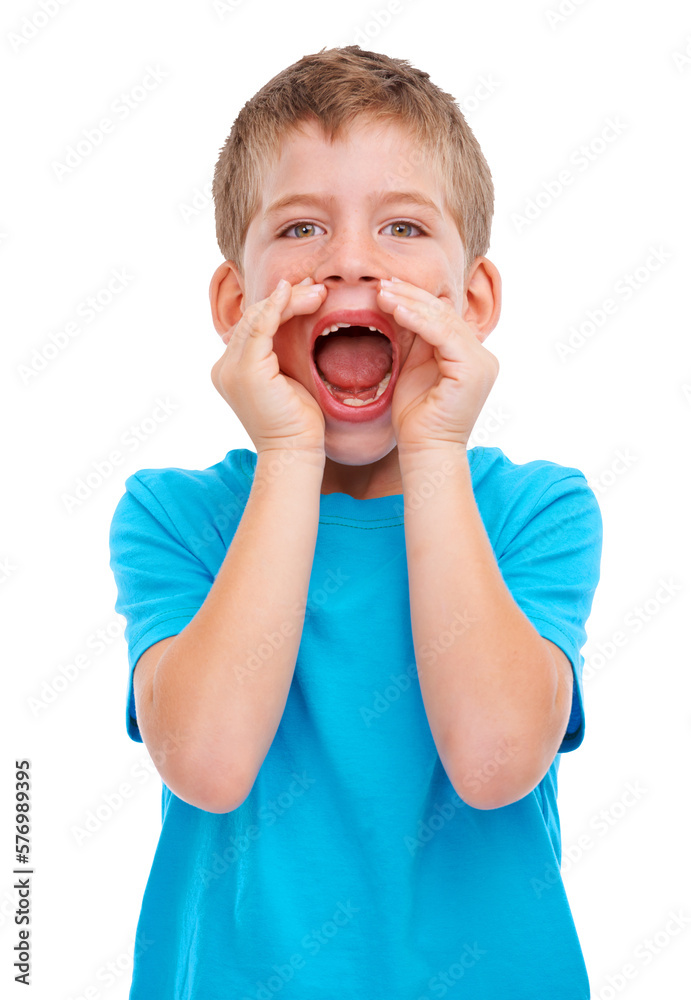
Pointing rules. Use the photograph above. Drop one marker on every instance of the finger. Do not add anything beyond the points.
(452, 337)
(251, 341)
(433, 310)
(423, 302)
(401, 291)
(257, 348)
(305, 298)
(277, 308)
(263, 315)
(302, 299)
(249, 328)
(420, 315)
(405, 287)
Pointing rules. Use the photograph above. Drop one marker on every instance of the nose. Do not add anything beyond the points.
(349, 259)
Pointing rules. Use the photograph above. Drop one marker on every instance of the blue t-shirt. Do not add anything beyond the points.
(353, 868)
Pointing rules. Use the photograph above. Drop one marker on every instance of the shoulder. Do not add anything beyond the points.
(234, 472)
(511, 494)
(174, 489)
(492, 468)
(195, 506)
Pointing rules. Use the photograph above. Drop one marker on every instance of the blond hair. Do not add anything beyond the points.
(333, 87)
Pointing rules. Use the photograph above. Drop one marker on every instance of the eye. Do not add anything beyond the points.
(302, 225)
(411, 225)
(299, 225)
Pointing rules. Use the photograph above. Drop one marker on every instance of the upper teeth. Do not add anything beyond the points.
(337, 326)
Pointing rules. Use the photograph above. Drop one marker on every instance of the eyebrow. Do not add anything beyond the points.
(326, 201)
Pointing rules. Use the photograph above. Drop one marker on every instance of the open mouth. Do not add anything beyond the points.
(355, 362)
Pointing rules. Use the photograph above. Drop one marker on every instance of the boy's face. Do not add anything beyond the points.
(361, 234)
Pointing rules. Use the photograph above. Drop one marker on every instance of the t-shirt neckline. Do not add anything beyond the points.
(375, 512)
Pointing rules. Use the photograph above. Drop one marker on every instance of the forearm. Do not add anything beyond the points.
(491, 691)
(221, 682)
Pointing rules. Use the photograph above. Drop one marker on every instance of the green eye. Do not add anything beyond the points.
(298, 226)
(411, 225)
(299, 229)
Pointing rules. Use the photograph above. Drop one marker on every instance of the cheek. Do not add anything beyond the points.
(280, 344)
(437, 279)
(286, 350)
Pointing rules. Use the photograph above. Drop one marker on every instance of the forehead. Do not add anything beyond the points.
(377, 157)
(307, 146)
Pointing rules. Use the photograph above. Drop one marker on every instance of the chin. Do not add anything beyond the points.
(359, 444)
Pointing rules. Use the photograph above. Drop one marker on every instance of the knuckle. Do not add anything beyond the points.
(252, 322)
(255, 315)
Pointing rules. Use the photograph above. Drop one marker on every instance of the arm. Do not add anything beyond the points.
(498, 697)
(201, 696)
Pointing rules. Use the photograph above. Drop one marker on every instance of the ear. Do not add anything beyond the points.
(482, 297)
(226, 293)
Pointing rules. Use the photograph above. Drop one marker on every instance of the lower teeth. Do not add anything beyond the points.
(353, 400)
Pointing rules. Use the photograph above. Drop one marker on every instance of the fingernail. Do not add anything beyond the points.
(281, 285)
(395, 279)
(306, 280)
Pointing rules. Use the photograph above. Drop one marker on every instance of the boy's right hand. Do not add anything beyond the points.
(276, 411)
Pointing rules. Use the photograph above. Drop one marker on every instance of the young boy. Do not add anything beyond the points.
(357, 649)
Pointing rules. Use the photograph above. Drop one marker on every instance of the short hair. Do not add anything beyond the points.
(333, 87)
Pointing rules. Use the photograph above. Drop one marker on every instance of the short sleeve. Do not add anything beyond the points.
(160, 583)
(552, 567)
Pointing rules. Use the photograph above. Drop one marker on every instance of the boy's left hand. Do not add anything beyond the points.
(447, 376)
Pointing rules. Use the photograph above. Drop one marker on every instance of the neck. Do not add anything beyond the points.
(364, 482)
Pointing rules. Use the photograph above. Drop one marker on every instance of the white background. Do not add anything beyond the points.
(535, 88)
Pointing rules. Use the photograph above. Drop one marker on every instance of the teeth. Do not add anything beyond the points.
(339, 326)
(382, 385)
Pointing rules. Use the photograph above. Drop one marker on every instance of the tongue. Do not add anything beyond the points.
(352, 361)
